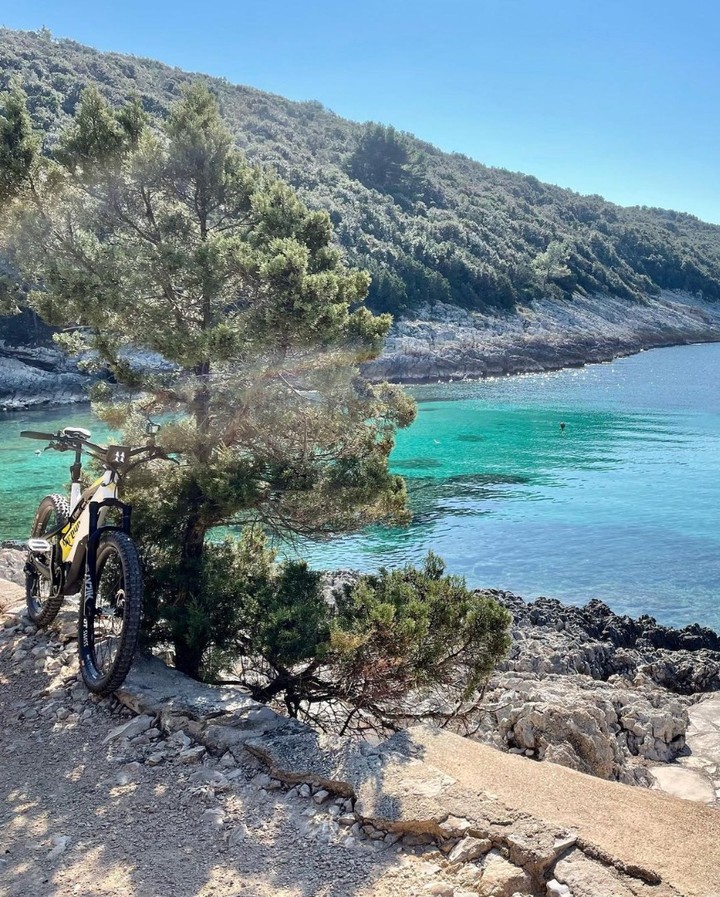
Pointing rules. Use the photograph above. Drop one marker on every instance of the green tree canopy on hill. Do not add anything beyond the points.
(471, 236)
(385, 161)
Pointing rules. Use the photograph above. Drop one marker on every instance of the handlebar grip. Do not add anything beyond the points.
(31, 434)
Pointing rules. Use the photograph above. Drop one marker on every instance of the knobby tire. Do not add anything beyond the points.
(53, 511)
(105, 660)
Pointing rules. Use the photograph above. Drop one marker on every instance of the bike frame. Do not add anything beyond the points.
(75, 543)
(79, 537)
(78, 526)
(73, 546)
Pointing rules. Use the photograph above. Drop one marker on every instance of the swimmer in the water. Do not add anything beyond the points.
(562, 426)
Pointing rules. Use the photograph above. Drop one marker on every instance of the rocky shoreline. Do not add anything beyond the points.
(608, 695)
(443, 343)
(582, 687)
(448, 343)
(36, 376)
(601, 693)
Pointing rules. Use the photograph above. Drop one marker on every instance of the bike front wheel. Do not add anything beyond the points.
(110, 618)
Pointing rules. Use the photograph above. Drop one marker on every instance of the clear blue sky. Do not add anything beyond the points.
(617, 97)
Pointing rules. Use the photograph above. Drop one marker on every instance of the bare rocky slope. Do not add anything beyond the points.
(445, 343)
(601, 693)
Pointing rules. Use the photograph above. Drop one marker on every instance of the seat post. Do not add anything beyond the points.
(75, 473)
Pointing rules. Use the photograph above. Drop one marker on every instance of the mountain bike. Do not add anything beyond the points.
(76, 547)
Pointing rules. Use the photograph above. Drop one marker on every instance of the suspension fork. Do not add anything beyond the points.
(94, 533)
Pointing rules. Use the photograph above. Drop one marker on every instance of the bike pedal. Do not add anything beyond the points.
(39, 546)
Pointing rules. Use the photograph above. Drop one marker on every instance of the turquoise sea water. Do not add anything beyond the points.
(623, 506)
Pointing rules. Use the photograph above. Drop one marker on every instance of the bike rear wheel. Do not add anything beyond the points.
(110, 619)
(42, 595)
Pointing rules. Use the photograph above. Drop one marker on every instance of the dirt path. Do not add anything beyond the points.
(83, 818)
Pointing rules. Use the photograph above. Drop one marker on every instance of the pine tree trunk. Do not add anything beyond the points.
(188, 655)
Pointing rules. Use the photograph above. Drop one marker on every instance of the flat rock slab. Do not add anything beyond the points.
(153, 687)
(584, 877)
(696, 776)
(12, 564)
(703, 734)
(689, 784)
(649, 842)
(642, 831)
(12, 597)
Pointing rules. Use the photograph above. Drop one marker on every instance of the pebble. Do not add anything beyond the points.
(239, 835)
(135, 726)
(192, 755)
(211, 777)
(180, 740)
(469, 849)
(321, 796)
(156, 759)
(214, 818)
(60, 843)
(440, 889)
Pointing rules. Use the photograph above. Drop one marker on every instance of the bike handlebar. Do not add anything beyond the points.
(61, 442)
(31, 434)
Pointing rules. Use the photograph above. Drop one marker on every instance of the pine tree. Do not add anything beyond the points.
(170, 243)
(383, 160)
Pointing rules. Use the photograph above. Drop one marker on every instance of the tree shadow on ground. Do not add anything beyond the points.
(133, 830)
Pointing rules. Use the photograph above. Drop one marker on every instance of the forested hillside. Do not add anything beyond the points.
(427, 224)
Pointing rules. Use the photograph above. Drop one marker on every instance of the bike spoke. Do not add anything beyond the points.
(108, 617)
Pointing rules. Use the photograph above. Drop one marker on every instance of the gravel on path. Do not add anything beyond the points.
(148, 816)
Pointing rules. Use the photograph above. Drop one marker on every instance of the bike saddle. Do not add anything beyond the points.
(76, 432)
